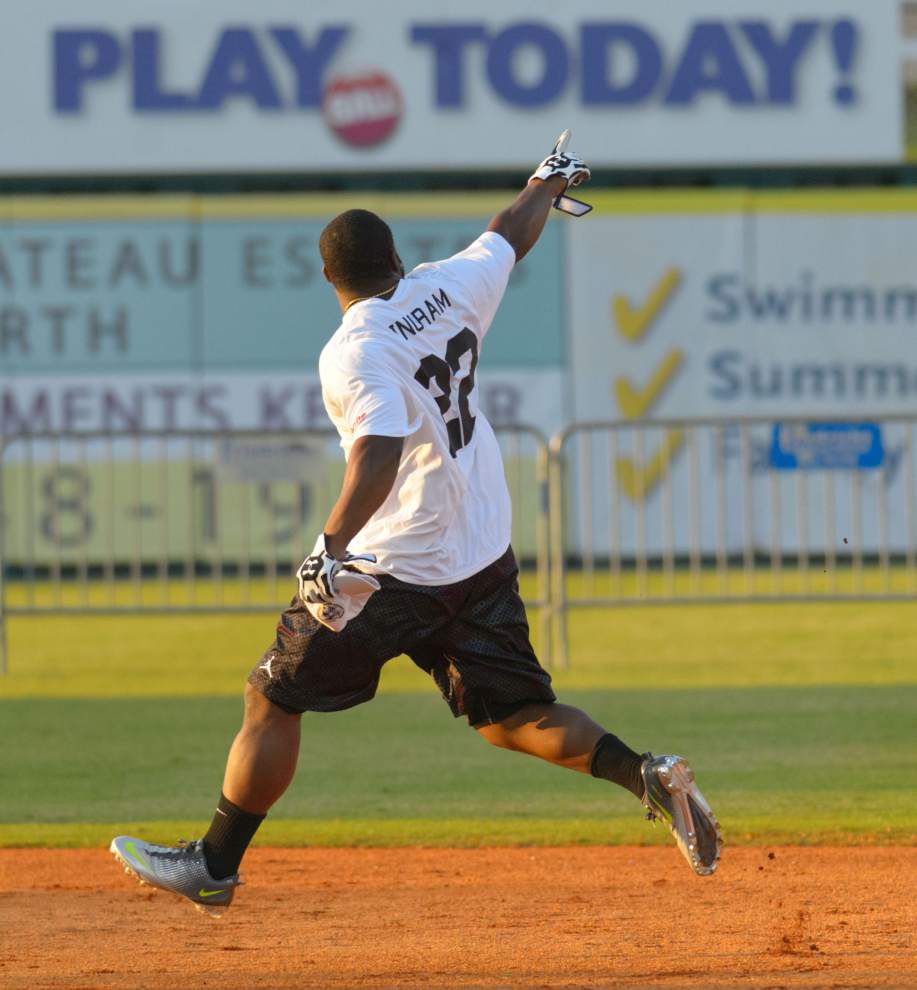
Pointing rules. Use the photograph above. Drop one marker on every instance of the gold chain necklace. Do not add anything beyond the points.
(376, 295)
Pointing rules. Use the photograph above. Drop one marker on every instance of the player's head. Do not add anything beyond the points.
(358, 251)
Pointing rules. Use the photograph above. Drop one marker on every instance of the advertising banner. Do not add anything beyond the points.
(739, 305)
(169, 314)
(162, 314)
(745, 305)
(260, 496)
(120, 87)
(138, 314)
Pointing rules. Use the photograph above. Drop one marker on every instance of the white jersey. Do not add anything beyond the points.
(405, 367)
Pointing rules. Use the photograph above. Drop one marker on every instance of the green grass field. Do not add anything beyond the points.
(799, 718)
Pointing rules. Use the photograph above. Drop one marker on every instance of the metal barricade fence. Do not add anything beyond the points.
(614, 513)
(196, 520)
(719, 511)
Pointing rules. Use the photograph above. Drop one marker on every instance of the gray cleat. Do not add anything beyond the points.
(672, 795)
(180, 869)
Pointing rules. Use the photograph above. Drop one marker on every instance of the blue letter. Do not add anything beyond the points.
(781, 58)
(710, 62)
(718, 288)
(845, 41)
(237, 49)
(71, 69)
(310, 63)
(147, 94)
(722, 364)
(555, 70)
(448, 43)
(599, 84)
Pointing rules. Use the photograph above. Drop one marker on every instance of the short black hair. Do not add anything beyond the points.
(357, 248)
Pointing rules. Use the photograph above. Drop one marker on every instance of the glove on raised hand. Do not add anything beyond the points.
(569, 167)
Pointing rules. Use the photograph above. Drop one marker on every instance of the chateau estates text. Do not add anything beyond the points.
(35, 268)
(128, 303)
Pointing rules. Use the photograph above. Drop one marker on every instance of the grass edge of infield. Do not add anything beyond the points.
(463, 833)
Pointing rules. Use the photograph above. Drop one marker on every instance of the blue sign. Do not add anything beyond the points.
(826, 446)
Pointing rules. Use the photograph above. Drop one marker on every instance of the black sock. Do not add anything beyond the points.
(615, 761)
(228, 837)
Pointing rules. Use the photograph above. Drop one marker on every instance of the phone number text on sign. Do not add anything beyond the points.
(201, 506)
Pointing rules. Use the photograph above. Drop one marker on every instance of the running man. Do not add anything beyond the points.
(424, 509)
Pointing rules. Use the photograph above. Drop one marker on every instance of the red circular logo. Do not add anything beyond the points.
(362, 110)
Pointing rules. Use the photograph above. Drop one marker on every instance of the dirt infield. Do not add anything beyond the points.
(494, 918)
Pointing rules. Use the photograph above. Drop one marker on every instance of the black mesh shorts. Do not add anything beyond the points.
(472, 637)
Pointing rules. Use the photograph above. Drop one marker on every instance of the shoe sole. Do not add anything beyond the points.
(211, 910)
(678, 780)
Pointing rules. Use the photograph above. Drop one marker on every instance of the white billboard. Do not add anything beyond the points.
(779, 307)
(762, 306)
(120, 87)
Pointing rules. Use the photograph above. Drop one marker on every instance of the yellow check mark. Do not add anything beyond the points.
(633, 402)
(634, 323)
(638, 480)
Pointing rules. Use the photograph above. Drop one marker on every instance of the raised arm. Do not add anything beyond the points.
(521, 223)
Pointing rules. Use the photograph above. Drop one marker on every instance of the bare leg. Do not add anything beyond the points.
(560, 734)
(263, 756)
(261, 764)
(568, 737)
